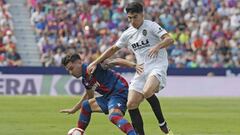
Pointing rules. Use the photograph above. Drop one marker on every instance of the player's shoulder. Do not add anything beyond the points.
(148, 22)
(84, 70)
(101, 68)
(129, 31)
(151, 24)
(84, 67)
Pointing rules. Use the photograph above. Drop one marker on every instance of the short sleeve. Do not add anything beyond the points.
(157, 30)
(88, 85)
(122, 41)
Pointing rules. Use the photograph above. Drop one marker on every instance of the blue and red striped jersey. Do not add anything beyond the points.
(109, 81)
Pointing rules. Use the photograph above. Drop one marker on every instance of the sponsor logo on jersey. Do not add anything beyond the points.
(140, 45)
(144, 32)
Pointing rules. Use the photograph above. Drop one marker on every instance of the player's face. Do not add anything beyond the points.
(75, 68)
(135, 19)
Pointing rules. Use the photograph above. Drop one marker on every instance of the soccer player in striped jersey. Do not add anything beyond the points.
(148, 41)
(112, 87)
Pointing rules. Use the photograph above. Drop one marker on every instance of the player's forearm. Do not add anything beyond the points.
(123, 62)
(90, 94)
(166, 42)
(108, 53)
(79, 104)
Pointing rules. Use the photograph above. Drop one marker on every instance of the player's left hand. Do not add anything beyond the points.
(153, 52)
(139, 68)
(68, 111)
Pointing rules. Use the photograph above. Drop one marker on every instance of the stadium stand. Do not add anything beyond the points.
(207, 32)
(8, 43)
(26, 44)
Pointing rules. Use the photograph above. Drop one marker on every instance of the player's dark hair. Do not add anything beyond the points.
(70, 58)
(134, 7)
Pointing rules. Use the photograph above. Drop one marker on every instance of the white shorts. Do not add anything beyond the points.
(138, 82)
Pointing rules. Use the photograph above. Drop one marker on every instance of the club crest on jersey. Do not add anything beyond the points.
(160, 30)
(144, 32)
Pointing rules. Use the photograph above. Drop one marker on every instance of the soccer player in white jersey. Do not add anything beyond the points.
(148, 41)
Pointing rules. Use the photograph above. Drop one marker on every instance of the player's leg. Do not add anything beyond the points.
(151, 86)
(88, 106)
(117, 108)
(134, 99)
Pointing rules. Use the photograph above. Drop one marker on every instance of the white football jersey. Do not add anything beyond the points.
(141, 40)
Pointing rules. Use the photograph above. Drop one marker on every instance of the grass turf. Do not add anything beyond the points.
(39, 115)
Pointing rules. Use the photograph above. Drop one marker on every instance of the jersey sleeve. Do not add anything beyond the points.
(157, 30)
(90, 85)
(122, 41)
(87, 84)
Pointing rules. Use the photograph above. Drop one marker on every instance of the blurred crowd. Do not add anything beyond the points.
(206, 32)
(8, 53)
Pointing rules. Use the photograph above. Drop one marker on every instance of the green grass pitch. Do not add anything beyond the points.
(39, 115)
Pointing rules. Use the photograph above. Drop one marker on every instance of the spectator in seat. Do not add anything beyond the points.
(47, 59)
(9, 36)
(14, 58)
(3, 60)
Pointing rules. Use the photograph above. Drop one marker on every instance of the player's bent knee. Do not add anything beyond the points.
(86, 106)
(132, 105)
(147, 94)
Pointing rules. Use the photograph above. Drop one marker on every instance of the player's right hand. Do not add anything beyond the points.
(153, 52)
(91, 68)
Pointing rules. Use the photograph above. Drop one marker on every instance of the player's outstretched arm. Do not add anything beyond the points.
(122, 62)
(77, 106)
(127, 63)
(108, 53)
